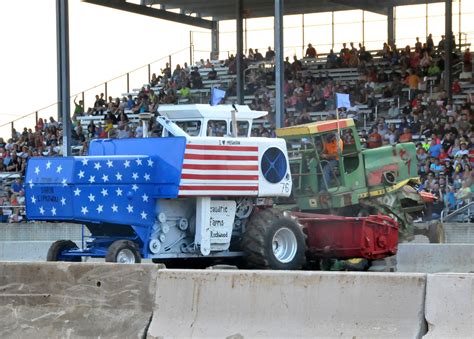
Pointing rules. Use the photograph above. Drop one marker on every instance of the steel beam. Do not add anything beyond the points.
(239, 14)
(153, 12)
(64, 101)
(215, 41)
(279, 66)
(391, 25)
(448, 60)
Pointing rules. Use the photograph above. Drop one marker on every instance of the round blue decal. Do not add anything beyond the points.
(273, 165)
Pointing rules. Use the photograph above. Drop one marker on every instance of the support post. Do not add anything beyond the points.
(240, 49)
(215, 41)
(64, 101)
(302, 36)
(279, 66)
(426, 20)
(246, 47)
(391, 25)
(36, 117)
(460, 23)
(332, 29)
(149, 73)
(105, 92)
(128, 83)
(169, 61)
(448, 60)
(363, 28)
(190, 49)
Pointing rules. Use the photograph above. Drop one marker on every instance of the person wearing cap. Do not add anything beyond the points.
(463, 149)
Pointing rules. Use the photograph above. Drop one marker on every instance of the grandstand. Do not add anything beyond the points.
(399, 91)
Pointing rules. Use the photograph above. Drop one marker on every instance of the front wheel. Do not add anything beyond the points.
(123, 252)
(274, 241)
(56, 249)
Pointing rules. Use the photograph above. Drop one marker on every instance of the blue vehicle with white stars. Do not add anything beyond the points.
(204, 189)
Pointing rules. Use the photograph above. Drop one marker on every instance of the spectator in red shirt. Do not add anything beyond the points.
(456, 87)
(406, 136)
(375, 139)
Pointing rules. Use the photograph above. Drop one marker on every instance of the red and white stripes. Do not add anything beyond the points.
(219, 170)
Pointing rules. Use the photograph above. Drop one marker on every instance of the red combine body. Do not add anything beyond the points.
(372, 237)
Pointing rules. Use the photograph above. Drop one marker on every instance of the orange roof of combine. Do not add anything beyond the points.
(314, 127)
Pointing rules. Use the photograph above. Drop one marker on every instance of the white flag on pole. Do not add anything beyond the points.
(343, 100)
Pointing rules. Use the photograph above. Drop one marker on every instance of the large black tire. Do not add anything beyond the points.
(57, 247)
(259, 236)
(124, 252)
(436, 233)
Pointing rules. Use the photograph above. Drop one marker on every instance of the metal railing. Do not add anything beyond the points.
(87, 96)
(468, 209)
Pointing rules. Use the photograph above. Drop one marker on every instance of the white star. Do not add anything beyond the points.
(37, 170)
(33, 200)
(59, 169)
(41, 210)
(31, 183)
(105, 178)
(91, 197)
(134, 187)
(104, 192)
(145, 198)
(110, 164)
(119, 192)
(130, 208)
(48, 165)
(118, 176)
(53, 211)
(150, 162)
(139, 162)
(92, 179)
(100, 208)
(85, 162)
(77, 191)
(84, 210)
(97, 165)
(126, 164)
(64, 182)
(135, 176)
(80, 174)
(63, 201)
(146, 177)
(114, 208)
(143, 214)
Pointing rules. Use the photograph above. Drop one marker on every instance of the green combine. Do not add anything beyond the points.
(333, 174)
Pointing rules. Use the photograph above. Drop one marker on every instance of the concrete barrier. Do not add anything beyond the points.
(31, 241)
(449, 307)
(434, 258)
(65, 300)
(220, 303)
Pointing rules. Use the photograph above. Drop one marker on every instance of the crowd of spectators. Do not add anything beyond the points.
(441, 129)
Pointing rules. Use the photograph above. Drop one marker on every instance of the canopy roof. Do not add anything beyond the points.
(314, 127)
(192, 11)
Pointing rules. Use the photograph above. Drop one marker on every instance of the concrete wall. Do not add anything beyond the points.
(31, 241)
(433, 258)
(64, 300)
(450, 306)
(79, 300)
(459, 233)
(248, 304)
